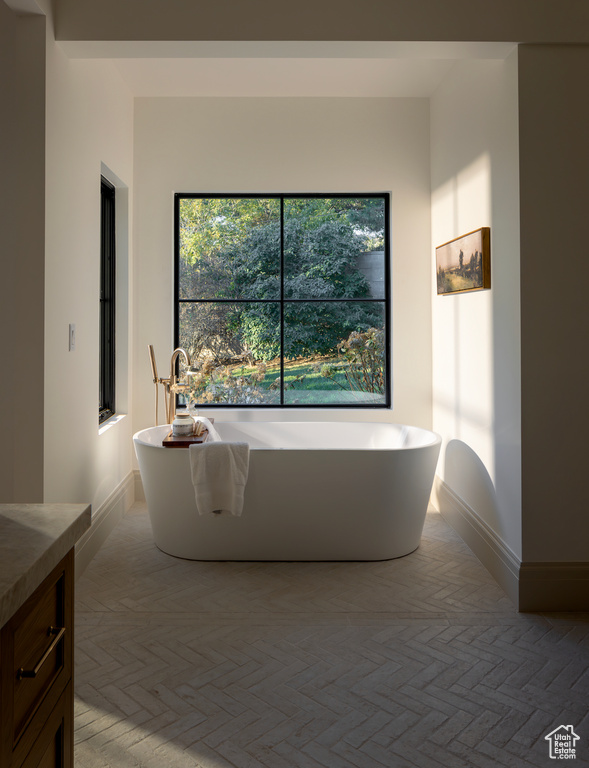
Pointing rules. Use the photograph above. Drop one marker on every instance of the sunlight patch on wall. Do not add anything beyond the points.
(463, 323)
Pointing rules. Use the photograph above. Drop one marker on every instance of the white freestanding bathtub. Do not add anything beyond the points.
(315, 491)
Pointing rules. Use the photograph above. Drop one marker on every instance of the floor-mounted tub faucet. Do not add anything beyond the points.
(172, 385)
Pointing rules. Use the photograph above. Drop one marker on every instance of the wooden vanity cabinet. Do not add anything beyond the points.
(36, 668)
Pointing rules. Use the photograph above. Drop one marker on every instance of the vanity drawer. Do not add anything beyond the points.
(53, 747)
(36, 651)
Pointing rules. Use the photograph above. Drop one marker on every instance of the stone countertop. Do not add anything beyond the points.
(33, 539)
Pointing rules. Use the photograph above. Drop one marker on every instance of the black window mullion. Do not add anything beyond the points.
(347, 300)
(177, 299)
(388, 300)
(282, 301)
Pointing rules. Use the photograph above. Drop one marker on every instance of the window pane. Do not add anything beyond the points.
(334, 248)
(234, 350)
(335, 353)
(229, 248)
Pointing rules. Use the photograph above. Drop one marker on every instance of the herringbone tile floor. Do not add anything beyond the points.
(420, 661)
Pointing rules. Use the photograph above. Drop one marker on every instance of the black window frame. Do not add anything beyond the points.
(106, 398)
(385, 196)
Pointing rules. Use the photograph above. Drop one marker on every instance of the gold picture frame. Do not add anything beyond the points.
(464, 264)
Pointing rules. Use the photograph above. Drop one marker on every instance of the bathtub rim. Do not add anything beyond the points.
(434, 437)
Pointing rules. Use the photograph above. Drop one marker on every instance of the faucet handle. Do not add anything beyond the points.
(178, 387)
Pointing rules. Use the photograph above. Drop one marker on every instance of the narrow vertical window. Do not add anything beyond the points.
(106, 405)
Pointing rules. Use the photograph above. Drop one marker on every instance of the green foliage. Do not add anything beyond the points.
(231, 249)
(364, 215)
(363, 358)
(232, 385)
(321, 262)
(207, 224)
(317, 328)
(259, 331)
(260, 383)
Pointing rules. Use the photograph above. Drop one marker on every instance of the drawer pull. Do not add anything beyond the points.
(59, 632)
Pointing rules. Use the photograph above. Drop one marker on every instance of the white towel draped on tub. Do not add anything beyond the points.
(219, 474)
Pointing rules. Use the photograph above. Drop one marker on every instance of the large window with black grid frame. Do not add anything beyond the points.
(283, 300)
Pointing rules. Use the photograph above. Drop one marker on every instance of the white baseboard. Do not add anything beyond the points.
(533, 587)
(139, 492)
(104, 520)
(493, 553)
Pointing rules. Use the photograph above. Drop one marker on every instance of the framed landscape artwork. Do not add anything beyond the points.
(464, 264)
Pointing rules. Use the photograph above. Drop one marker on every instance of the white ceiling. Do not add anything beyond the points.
(245, 68)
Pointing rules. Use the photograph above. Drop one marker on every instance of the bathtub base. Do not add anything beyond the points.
(285, 559)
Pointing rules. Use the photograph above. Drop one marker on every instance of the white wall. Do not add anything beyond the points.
(89, 128)
(476, 336)
(286, 145)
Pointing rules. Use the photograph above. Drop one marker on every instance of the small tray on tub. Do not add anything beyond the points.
(183, 441)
